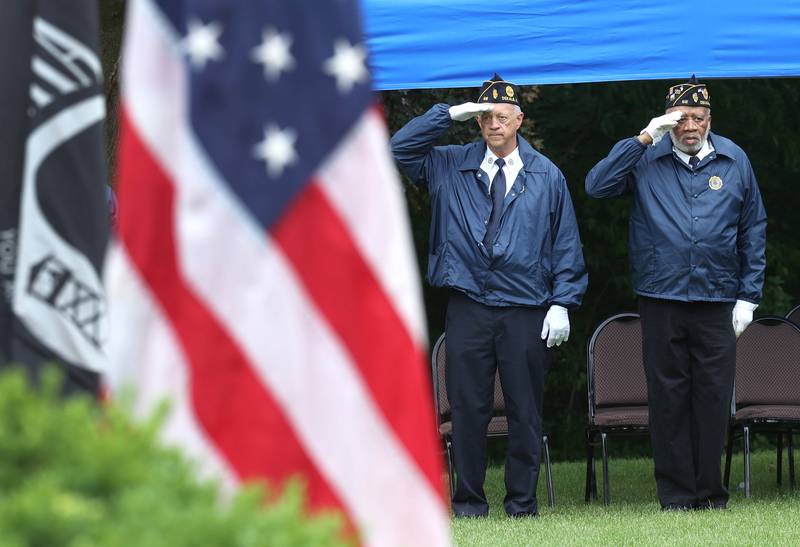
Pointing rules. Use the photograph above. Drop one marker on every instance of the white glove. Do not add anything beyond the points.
(556, 326)
(742, 316)
(660, 126)
(466, 111)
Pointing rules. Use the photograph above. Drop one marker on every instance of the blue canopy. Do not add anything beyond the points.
(447, 43)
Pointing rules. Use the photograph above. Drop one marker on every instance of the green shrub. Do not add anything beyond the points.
(76, 474)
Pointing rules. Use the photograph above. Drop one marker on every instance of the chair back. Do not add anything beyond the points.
(439, 371)
(768, 363)
(794, 315)
(614, 364)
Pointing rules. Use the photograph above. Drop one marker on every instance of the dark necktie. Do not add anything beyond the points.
(498, 193)
(693, 161)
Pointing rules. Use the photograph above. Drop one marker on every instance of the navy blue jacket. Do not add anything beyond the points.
(693, 236)
(536, 259)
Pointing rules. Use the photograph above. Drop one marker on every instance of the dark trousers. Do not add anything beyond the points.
(480, 340)
(689, 353)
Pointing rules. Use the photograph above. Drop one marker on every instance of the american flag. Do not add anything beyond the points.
(263, 277)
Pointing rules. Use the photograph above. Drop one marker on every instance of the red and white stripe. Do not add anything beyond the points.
(295, 351)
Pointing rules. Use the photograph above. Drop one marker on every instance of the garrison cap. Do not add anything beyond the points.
(498, 90)
(692, 93)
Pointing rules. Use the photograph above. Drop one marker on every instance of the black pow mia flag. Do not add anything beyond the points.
(53, 213)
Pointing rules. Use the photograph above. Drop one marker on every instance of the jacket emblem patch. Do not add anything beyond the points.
(715, 183)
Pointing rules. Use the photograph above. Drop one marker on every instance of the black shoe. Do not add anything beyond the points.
(522, 515)
(470, 515)
(677, 507)
(711, 505)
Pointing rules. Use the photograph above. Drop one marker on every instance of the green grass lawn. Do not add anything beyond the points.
(770, 517)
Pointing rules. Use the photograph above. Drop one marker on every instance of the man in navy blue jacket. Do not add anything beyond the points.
(696, 249)
(505, 240)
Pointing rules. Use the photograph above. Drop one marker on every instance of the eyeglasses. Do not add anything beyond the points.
(503, 119)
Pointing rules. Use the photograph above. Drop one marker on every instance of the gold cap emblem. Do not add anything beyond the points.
(715, 183)
(494, 93)
(510, 91)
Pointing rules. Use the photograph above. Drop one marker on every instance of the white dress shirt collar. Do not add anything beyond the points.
(511, 169)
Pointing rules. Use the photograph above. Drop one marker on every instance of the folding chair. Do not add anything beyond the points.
(767, 394)
(498, 425)
(617, 391)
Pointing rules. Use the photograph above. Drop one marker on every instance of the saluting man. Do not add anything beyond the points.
(505, 240)
(696, 250)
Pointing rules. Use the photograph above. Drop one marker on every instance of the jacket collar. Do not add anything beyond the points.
(477, 151)
(721, 146)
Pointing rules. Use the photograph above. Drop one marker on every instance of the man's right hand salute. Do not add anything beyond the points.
(659, 126)
(467, 111)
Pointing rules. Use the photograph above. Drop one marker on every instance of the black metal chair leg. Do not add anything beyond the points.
(606, 489)
(728, 457)
(779, 462)
(551, 497)
(589, 467)
(450, 467)
(791, 459)
(746, 433)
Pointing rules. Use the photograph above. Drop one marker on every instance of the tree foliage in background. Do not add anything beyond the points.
(73, 474)
(112, 17)
(576, 126)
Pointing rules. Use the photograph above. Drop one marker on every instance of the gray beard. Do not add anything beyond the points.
(691, 150)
